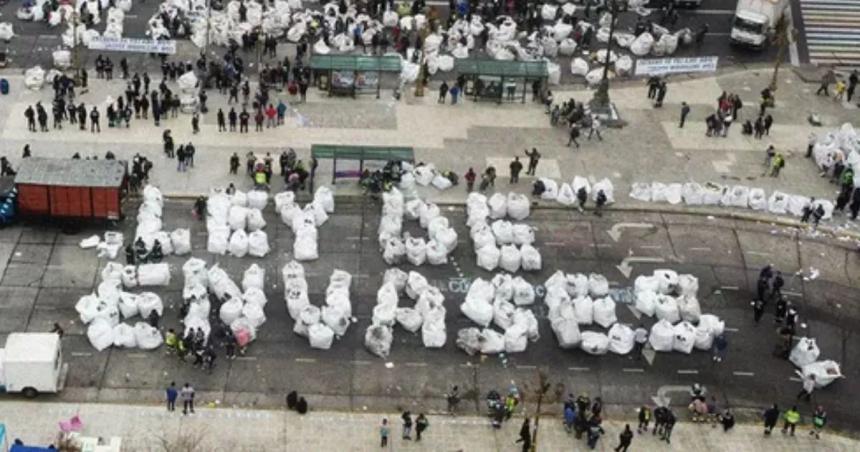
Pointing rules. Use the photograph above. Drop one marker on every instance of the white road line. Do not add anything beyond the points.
(416, 364)
(731, 330)
(361, 363)
(700, 248)
(757, 253)
(469, 365)
(362, 276)
(136, 355)
(246, 358)
(633, 370)
(306, 360)
(554, 243)
(709, 12)
(651, 247)
(526, 367)
(688, 372)
(604, 245)
(730, 288)
(794, 379)
(792, 294)
(82, 354)
(579, 369)
(743, 374)
(354, 237)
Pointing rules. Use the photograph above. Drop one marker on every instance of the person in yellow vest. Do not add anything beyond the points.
(171, 341)
(791, 418)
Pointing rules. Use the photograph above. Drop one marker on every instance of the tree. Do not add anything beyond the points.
(782, 37)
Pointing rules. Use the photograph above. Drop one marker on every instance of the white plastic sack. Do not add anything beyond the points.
(437, 254)
(524, 293)
(478, 311)
(409, 318)
(469, 340)
(621, 339)
(416, 284)
(180, 239)
(566, 196)
(642, 44)
(667, 309)
(258, 244)
(219, 238)
(604, 312)
(598, 285)
(498, 204)
(518, 206)
(503, 231)
(492, 341)
(594, 343)
(378, 340)
(523, 234)
(662, 337)
(604, 185)
(146, 336)
(516, 338)
(689, 308)
(641, 191)
(825, 372)
(510, 258)
(257, 199)
(123, 336)
(584, 310)
(153, 275)
(100, 334)
(805, 352)
(238, 245)
(550, 189)
(685, 337)
(320, 336)
(488, 257)
(579, 66)
(147, 302)
(566, 332)
(128, 305)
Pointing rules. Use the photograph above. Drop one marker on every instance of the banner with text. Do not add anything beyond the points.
(132, 45)
(659, 66)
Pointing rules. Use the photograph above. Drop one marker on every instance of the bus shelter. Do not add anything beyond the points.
(361, 154)
(352, 74)
(499, 81)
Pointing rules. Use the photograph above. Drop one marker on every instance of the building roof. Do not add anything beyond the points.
(356, 63)
(71, 172)
(31, 347)
(329, 151)
(517, 69)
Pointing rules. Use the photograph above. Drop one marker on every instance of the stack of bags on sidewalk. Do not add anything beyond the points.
(398, 246)
(229, 217)
(103, 310)
(502, 243)
(108, 247)
(502, 302)
(320, 326)
(836, 148)
(567, 193)
(737, 196)
(305, 221)
(805, 355)
(427, 315)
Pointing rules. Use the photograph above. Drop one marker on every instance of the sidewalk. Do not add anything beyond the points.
(149, 428)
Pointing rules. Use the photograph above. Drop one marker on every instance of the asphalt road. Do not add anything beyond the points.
(35, 41)
(47, 272)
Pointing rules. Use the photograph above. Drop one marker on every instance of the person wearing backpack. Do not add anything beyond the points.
(421, 424)
(819, 418)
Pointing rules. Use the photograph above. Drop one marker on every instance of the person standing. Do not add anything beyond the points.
(470, 180)
(243, 121)
(594, 128)
(453, 397)
(790, 420)
(534, 159)
(644, 419)
(594, 432)
(819, 418)
(195, 123)
(222, 124)
(187, 393)
(407, 425)
(852, 84)
(768, 123)
(516, 166)
(770, 417)
(685, 110)
(172, 394)
(383, 433)
(624, 439)
(581, 198)
(777, 165)
(421, 424)
(661, 94)
(30, 114)
(574, 134)
(94, 121)
(668, 426)
(640, 339)
(727, 419)
(828, 78)
(720, 346)
(758, 310)
(443, 91)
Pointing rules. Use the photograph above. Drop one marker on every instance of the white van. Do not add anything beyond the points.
(32, 363)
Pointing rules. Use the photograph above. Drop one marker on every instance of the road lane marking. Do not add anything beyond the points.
(526, 367)
(792, 294)
(579, 369)
(554, 243)
(700, 248)
(743, 374)
(136, 355)
(306, 360)
(604, 245)
(246, 358)
(651, 247)
(731, 330)
(757, 253)
(688, 372)
(632, 370)
(416, 364)
(354, 237)
(82, 354)
(730, 288)
(361, 363)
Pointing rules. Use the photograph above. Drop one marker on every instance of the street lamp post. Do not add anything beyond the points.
(600, 101)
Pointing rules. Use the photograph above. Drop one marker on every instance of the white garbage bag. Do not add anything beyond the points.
(180, 240)
(257, 199)
(584, 310)
(378, 340)
(255, 277)
(427, 212)
(238, 245)
(147, 302)
(624, 65)
(550, 189)
(598, 285)
(642, 44)
(416, 284)
(737, 196)
(230, 310)
(825, 372)
(498, 204)
(123, 336)
(805, 352)
(255, 220)
(100, 334)
(688, 285)
(409, 318)
(397, 277)
(128, 305)
(503, 313)
(531, 258)
(689, 307)
(621, 339)
(594, 343)
(510, 258)
(147, 336)
(416, 250)
(777, 203)
(641, 191)
(604, 312)
(492, 341)
(129, 276)
(310, 315)
(667, 309)
(305, 248)
(524, 293)
(394, 251)
(336, 319)
(668, 280)
(548, 12)
(219, 238)
(503, 231)
(437, 254)
(284, 198)
(567, 47)
(516, 338)
(693, 193)
(566, 332)
(578, 66)
(662, 337)
(704, 338)
(685, 337)
(757, 199)
(604, 185)
(523, 234)
(433, 333)
(488, 257)
(258, 244)
(325, 198)
(153, 275)
(320, 336)
(469, 340)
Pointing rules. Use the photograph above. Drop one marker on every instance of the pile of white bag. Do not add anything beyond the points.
(427, 315)
(841, 145)
(502, 244)
(6, 32)
(305, 221)
(150, 226)
(114, 25)
(566, 193)
(805, 355)
(320, 326)
(103, 309)
(108, 247)
(235, 224)
(499, 301)
(242, 310)
(737, 196)
(398, 247)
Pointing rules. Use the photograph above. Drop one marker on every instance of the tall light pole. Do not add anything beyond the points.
(600, 101)
(76, 52)
(542, 389)
(783, 36)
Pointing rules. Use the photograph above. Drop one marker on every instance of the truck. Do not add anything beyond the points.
(32, 363)
(754, 22)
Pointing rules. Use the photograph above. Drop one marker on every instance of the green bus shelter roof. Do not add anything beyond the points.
(328, 151)
(523, 69)
(356, 63)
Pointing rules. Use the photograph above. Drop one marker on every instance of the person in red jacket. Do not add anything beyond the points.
(271, 113)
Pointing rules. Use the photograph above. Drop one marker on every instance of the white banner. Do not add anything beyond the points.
(133, 45)
(659, 66)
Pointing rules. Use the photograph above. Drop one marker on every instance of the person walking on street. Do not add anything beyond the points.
(852, 84)
(383, 433)
(195, 123)
(758, 310)
(534, 158)
(407, 425)
(594, 128)
(668, 426)
(624, 439)
(574, 134)
(685, 110)
(720, 346)
(187, 393)
(443, 91)
(819, 418)
(453, 398)
(594, 432)
(516, 166)
(808, 387)
(828, 78)
(790, 420)
(421, 424)
(525, 435)
(661, 94)
(770, 417)
(172, 394)
(581, 198)
(777, 165)
(222, 124)
(470, 180)
(94, 121)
